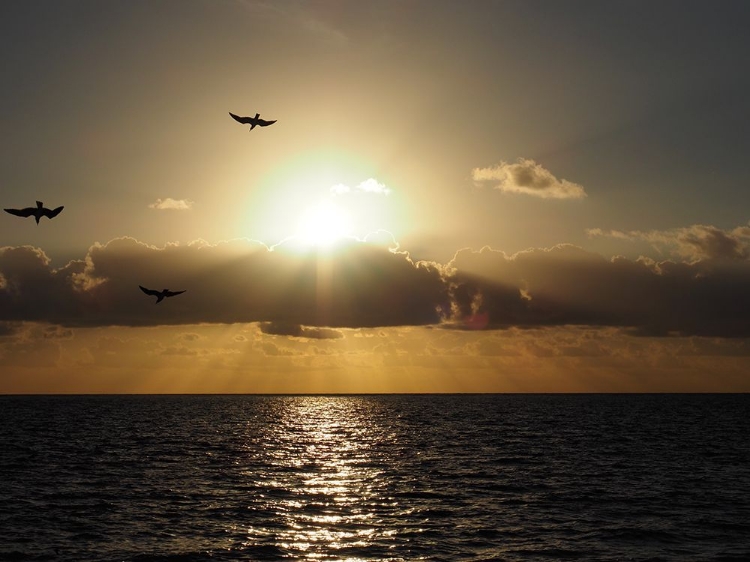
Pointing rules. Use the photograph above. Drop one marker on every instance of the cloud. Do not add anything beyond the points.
(370, 185)
(189, 336)
(314, 20)
(326, 32)
(567, 285)
(358, 285)
(306, 294)
(696, 242)
(180, 350)
(297, 331)
(57, 332)
(10, 328)
(529, 178)
(170, 204)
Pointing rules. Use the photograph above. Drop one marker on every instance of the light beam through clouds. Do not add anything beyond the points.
(370, 285)
(384, 119)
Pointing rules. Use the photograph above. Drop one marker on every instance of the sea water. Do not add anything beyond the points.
(385, 477)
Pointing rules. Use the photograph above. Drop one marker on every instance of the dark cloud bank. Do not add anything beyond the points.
(364, 285)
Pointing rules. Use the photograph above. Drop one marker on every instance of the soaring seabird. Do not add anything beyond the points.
(160, 295)
(252, 121)
(37, 212)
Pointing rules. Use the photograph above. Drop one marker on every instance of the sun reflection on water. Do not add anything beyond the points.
(321, 487)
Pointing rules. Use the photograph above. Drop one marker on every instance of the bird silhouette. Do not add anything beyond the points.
(160, 294)
(252, 121)
(37, 212)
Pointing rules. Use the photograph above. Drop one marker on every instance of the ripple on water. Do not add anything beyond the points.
(375, 477)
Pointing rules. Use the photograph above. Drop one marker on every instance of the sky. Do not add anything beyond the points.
(505, 196)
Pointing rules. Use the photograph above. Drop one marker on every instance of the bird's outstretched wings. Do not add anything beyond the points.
(252, 120)
(160, 294)
(149, 291)
(27, 212)
(53, 213)
(173, 293)
(244, 120)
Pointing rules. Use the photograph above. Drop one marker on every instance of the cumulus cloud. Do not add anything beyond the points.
(567, 285)
(529, 178)
(370, 185)
(696, 242)
(236, 281)
(170, 204)
(308, 294)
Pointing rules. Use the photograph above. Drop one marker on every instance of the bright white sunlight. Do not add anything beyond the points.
(323, 224)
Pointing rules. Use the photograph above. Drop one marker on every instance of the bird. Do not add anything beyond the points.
(160, 295)
(252, 121)
(37, 212)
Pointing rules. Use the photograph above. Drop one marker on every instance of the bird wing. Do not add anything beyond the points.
(243, 120)
(149, 291)
(53, 213)
(173, 293)
(264, 123)
(27, 212)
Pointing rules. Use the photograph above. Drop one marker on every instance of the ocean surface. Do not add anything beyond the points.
(395, 477)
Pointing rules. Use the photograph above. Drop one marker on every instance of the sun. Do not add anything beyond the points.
(323, 224)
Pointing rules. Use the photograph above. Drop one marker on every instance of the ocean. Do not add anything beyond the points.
(381, 477)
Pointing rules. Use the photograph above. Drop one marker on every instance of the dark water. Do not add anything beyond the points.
(491, 477)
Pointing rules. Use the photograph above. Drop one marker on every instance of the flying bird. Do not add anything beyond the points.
(37, 212)
(160, 294)
(252, 121)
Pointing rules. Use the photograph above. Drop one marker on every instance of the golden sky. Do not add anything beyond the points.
(456, 197)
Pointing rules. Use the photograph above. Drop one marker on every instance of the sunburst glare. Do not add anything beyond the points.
(323, 224)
